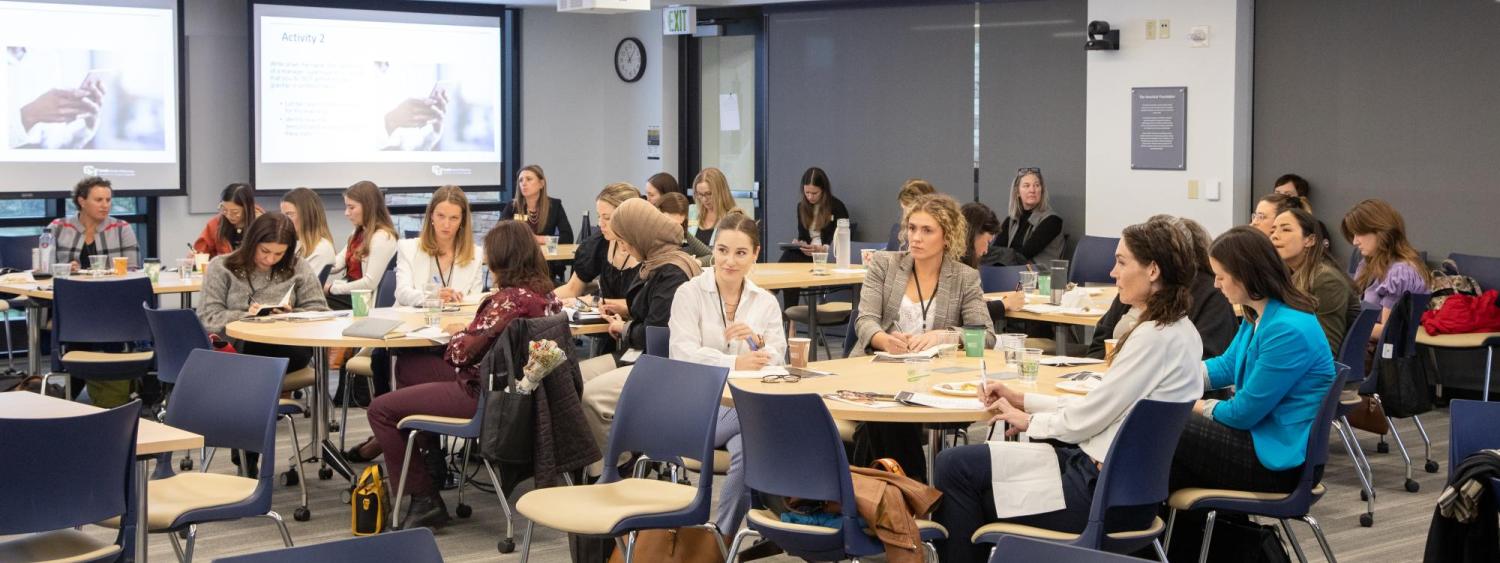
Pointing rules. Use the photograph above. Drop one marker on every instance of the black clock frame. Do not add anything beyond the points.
(616, 63)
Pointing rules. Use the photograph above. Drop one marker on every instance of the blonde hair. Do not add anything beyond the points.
(312, 220)
(543, 203)
(945, 211)
(913, 189)
(1016, 207)
(463, 240)
(374, 216)
(721, 202)
(618, 193)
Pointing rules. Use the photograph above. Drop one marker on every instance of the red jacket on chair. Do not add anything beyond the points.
(1462, 314)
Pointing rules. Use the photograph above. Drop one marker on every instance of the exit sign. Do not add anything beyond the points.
(680, 20)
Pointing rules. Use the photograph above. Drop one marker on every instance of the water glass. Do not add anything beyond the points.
(917, 369)
(1028, 281)
(432, 311)
(99, 264)
(185, 268)
(153, 270)
(820, 263)
(1031, 364)
(62, 270)
(1012, 344)
(551, 245)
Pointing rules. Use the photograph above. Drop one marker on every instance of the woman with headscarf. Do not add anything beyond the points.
(656, 241)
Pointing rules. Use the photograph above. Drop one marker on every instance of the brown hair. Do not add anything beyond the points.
(1374, 216)
(312, 220)
(665, 183)
(1163, 241)
(811, 216)
(374, 216)
(981, 219)
(721, 201)
(1246, 254)
(86, 186)
(913, 189)
(944, 210)
(739, 222)
(1317, 257)
(676, 204)
(269, 227)
(242, 195)
(543, 203)
(515, 259)
(1197, 236)
(463, 240)
(1284, 203)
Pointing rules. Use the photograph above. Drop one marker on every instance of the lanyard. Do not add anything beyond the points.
(438, 266)
(924, 303)
(723, 314)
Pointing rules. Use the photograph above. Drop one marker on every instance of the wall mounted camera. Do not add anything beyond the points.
(1101, 37)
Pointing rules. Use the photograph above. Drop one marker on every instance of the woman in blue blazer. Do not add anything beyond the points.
(1280, 366)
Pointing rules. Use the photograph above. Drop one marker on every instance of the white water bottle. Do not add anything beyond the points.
(46, 251)
(841, 243)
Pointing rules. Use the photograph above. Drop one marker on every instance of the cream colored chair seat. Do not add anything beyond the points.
(596, 509)
(1007, 528)
(359, 364)
(1186, 498)
(721, 463)
(433, 419)
(106, 357)
(299, 379)
(58, 546)
(168, 499)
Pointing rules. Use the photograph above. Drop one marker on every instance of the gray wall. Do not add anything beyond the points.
(1384, 99)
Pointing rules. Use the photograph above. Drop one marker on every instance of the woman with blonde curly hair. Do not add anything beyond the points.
(915, 299)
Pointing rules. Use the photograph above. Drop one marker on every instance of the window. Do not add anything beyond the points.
(30, 216)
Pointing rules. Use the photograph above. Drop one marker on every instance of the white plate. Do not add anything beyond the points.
(956, 388)
(1079, 387)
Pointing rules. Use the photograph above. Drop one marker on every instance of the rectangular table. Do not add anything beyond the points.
(1100, 299)
(564, 253)
(798, 275)
(152, 438)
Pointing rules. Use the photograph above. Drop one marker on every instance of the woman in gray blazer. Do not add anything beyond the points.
(911, 301)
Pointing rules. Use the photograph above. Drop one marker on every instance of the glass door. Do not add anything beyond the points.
(723, 89)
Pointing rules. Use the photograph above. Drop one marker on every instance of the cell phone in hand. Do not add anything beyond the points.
(95, 77)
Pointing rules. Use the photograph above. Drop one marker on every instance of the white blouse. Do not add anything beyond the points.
(415, 269)
(322, 255)
(382, 249)
(698, 323)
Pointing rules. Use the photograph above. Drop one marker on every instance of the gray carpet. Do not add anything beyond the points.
(1400, 530)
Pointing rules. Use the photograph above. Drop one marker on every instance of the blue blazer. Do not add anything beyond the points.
(1281, 370)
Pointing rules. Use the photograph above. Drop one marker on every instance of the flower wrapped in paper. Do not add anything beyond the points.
(543, 357)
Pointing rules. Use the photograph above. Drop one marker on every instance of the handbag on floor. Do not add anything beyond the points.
(678, 545)
(367, 505)
(1369, 416)
(1235, 540)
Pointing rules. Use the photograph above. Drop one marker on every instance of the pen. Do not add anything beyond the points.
(984, 377)
(751, 341)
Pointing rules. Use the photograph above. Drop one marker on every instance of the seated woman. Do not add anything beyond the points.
(1031, 232)
(257, 275)
(818, 213)
(654, 241)
(1158, 359)
(600, 258)
(1389, 266)
(721, 318)
(1266, 210)
(1212, 315)
(1280, 367)
(524, 292)
(1302, 242)
(675, 206)
(909, 192)
(223, 232)
(370, 248)
(983, 226)
(659, 184)
(711, 193)
(543, 213)
(314, 240)
(93, 231)
(914, 300)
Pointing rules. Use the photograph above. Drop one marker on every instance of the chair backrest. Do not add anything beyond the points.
(849, 336)
(385, 294)
(586, 228)
(230, 399)
(65, 472)
(102, 311)
(668, 411)
(1352, 350)
(658, 341)
(1473, 426)
(323, 274)
(1405, 340)
(15, 251)
(175, 333)
(1317, 439)
(1139, 462)
(1093, 260)
(1019, 548)
(1484, 269)
(414, 545)
(1000, 278)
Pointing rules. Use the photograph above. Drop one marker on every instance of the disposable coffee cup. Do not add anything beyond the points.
(798, 348)
(1109, 348)
(360, 301)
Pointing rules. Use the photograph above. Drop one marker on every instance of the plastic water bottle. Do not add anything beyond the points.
(47, 251)
(841, 243)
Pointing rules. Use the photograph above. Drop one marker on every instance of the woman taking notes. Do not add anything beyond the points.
(443, 263)
(1389, 267)
(259, 275)
(368, 253)
(1280, 367)
(223, 232)
(711, 193)
(1158, 359)
(93, 232)
(532, 206)
(720, 318)
(818, 213)
(601, 257)
(314, 241)
(1302, 242)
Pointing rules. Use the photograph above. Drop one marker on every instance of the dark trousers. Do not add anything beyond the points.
(1213, 456)
(896, 440)
(448, 398)
(414, 366)
(339, 302)
(963, 475)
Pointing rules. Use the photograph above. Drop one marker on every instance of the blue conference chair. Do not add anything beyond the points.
(793, 449)
(1484, 269)
(323, 274)
(1017, 548)
(385, 293)
(230, 400)
(658, 341)
(1135, 474)
(1352, 354)
(406, 546)
(102, 312)
(86, 480)
(1000, 278)
(1405, 344)
(1092, 260)
(15, 251)
(1297, 505)
(667, 412)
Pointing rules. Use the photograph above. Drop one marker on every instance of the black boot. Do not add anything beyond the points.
(437, 466)
(425, 511)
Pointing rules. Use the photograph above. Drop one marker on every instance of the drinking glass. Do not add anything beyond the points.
(1028, 281)
(99, 263)
(432, 309)
(820, 263)
(917, 369)
(1031, 364)
(1012, 344)
(551, 245)
(185, 268)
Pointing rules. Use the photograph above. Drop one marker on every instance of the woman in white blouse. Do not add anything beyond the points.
(314, 240)
(1159, 359)
(363, 261)
(721, 318)
(444, 261)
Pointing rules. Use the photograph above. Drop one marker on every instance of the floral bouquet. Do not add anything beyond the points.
(545, 356)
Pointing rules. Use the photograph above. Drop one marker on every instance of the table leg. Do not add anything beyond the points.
(1489, 364)
(185, 300)
(142, 530)
(1060, 334)
(812, 325)
(34, 341)
(934, 445)
(319, 401)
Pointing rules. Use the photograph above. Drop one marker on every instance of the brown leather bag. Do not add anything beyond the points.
(680, 545)
(1368, 416)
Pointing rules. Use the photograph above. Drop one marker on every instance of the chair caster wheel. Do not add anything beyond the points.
(325, 473)
(290, 478)
(1367, 520)
(302, 514)
(507, 545)
(464, 511)
(186, 464)
(1383, 447)
(333, 426)
(1413, 486)
(1431, 467)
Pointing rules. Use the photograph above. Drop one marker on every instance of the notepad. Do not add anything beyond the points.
(928, 353)
(371, 327)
